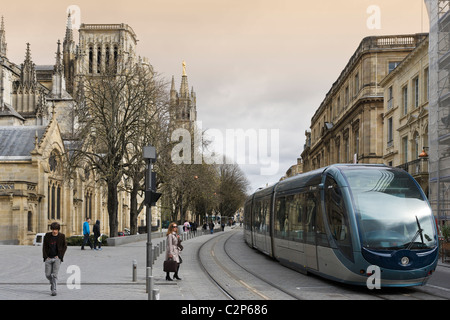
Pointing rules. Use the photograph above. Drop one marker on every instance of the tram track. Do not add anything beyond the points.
(237, 280)
(233, 279)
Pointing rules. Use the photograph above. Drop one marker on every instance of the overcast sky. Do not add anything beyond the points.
(262, 66)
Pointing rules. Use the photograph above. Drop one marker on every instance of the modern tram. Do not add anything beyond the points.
(341, 220)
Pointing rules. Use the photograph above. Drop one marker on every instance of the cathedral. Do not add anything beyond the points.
(37, 127)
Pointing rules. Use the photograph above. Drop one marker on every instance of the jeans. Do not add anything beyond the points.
(51, 271)
(85, 241)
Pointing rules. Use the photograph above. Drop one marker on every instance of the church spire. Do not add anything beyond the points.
(28, 71)
(3, 45)
(69, 55)
(58, 81)
(58, 65)
(69, 31)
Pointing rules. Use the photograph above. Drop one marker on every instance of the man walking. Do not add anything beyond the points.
(86, 233)
(53, 250)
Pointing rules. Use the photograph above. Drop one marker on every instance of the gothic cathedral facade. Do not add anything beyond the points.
(37, 127)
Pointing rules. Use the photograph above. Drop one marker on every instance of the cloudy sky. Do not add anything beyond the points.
(260, 66)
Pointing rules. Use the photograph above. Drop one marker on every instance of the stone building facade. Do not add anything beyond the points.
(348, 125)
(36, 127)
(405, 115)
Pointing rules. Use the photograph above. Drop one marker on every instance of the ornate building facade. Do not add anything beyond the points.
(348, 125)
(36, 127)
(405, 115)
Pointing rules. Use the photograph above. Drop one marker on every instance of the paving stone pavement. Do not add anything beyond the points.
(104, 275)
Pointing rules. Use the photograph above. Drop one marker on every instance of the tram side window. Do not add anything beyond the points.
(337, 216)
(281, 225)
(264, 216)
(256, 216)
(247, 214)
(294, 204)
(310, 217)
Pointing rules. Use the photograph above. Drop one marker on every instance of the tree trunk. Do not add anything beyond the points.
(134, 209)
(113, 205)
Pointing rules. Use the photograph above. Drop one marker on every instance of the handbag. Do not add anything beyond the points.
(170, 265)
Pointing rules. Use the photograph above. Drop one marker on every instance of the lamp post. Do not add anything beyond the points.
(151, 196)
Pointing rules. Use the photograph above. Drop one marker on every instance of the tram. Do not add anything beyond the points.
(340, 220)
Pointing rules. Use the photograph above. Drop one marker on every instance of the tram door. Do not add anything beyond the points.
(312, 200)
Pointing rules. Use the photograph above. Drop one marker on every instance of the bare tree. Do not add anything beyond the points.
(110, 111)
(232, 189)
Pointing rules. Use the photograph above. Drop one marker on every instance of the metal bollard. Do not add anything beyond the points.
(155, 294)
(150, 287)
(134, 271)
(147, 275)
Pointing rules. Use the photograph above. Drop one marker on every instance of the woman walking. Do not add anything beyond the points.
(173, 249)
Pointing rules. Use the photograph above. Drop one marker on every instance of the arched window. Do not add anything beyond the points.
(99, 59)
(107, 58)
(54, 200)
(54, 194)
(91, 60)
(116, 57)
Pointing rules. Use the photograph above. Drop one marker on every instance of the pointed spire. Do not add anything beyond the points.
(69, 31)
(173, 91)
(28, 71)
(58, 81)
(172, 88)
(58, 65)
(3, 45)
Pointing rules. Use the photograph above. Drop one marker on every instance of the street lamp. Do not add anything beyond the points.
(151, 196)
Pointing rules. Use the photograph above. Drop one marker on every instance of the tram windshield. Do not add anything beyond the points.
(391, 211)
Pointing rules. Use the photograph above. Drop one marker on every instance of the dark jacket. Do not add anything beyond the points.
(60, 243)
(96, 229)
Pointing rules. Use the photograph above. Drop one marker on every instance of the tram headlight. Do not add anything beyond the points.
(404, 261)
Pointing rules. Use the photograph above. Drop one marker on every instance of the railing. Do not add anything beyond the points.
(396, 40)
(416, 167)
(110, 26)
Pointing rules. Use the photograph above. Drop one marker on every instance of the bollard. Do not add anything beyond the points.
(148, 275)
(150, 287)
(134, 272)
(155, 294)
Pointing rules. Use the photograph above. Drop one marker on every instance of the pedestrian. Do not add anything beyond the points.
(97, 236)
(53, 249)
(173, 249)
(211, 227)
(194, 228)
(186, 226)
(86, 233)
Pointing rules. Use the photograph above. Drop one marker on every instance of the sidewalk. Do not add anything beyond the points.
(104, 275)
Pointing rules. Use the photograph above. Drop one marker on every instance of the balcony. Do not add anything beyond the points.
(416, 168)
